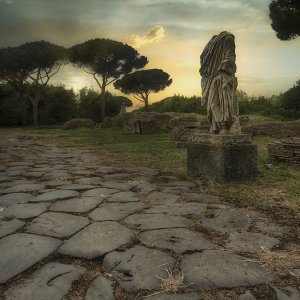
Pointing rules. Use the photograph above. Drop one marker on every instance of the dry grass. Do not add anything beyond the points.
(171, 284)
(208, 295)
(281, 262)
(121, 294)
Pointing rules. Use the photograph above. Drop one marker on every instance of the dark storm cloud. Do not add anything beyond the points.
(65, 32)
(72, 21)
(62, 22)
(203, 14)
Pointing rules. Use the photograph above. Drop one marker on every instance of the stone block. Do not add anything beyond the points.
(222, 157)
(286, 150)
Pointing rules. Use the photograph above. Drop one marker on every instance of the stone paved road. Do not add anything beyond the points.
(73, 227)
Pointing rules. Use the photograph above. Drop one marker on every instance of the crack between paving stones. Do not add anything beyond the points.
(55, 277)
(114, 266)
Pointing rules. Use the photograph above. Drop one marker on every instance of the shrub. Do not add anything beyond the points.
(77, 122)
(57, 105)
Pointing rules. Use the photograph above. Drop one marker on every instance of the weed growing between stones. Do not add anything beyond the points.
(173, 283)
(280, 262)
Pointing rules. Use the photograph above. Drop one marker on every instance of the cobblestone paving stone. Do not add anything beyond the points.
(74, 227)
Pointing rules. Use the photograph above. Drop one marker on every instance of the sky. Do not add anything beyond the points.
(171, 33)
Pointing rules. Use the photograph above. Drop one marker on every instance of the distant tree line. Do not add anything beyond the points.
(178, 103)
(57, 105)
(285, 106)
(28, 69)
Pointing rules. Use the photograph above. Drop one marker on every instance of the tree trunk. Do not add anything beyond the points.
(146, 103)
(102, 104)
(23, 100)
(35, 107)
(35, 112)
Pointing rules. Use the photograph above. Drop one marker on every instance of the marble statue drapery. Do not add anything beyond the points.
(219, 83)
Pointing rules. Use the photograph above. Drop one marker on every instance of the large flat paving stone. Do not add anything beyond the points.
(123, 186)
(15, 198)
(8, 227)
(19, 163)
(56, 195)
(247, 296)
(179, 186)
(101, 288)
(25, 211)
(107, 170)
(77, 205)
(273, 228)
(117, 177)
(90, 180)
(163, 296)
(138, 268)
(115, 211)
(82, 172)
(20, 251)
(178, 209)
(226, 220)
(58, 225)
(13, 173)
(25, 187)
(103, 192)
(55, 183)
(286, 293)
(142, 186)
(218, 269)
(33, 174)
(251, 242)
(123, 197)
(2, 178)
(156, 221)
(56, 175)
(52, 281)
(179, 240)
(96, 240)
(10, 182)
(180, 183)
(200, 197)
(162, 198)
(78, 187)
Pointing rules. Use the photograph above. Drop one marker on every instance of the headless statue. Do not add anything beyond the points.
(219, 84)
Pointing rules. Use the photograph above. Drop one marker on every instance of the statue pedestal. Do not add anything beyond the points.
(222, 157)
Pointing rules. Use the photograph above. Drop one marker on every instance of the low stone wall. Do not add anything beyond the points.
(186, 119)
(153, 121)
(122, 121)
(287, 150)
(144, 126)
(181, 135)
(278, 129)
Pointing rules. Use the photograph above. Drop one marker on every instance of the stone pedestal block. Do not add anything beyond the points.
(222, 157)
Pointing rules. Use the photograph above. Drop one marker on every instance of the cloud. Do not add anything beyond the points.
(154, 35)
(251, 80)
(64, 32)
(7, 1)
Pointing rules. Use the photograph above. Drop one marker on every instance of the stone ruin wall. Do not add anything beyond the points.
(277, 129)
(287, 150)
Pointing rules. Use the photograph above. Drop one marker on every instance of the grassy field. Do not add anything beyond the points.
(275, 191)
